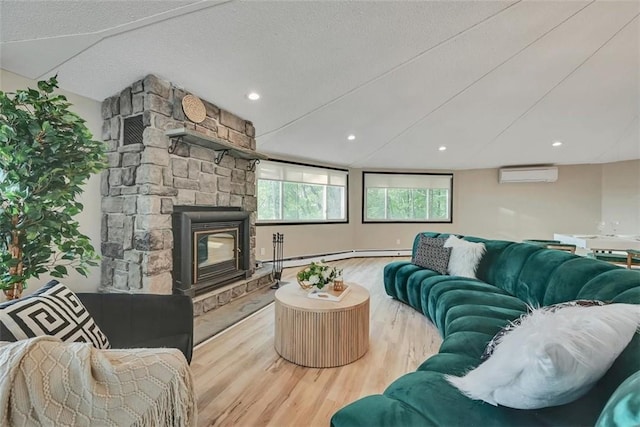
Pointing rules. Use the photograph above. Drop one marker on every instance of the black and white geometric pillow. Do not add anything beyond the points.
(431, 254)
(53, 310)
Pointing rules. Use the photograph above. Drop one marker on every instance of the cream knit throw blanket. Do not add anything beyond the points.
(46, 382)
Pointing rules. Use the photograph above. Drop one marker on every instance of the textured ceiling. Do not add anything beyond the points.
(496, 82)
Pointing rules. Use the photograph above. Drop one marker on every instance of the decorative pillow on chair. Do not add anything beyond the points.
(552, 357)
(465, 256)
(52, 310)
(430, 253)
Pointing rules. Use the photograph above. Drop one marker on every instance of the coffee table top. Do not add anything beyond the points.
(292, 295)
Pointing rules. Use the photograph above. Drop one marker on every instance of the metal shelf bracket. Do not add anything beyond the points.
(252, 165)
(220, 155)
(174, 144)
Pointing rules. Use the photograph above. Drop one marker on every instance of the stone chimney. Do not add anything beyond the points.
(144, 181)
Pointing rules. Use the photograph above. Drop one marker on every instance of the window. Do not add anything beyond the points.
(296, 193)
(415, 197)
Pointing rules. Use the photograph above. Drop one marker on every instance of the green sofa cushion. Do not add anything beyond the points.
(441, 404)
(415, 287)
(569, 278)
(447, 295)
(468, 343)
(615, 284)
(491, 313)
(449, 363)
(379, 411)
(506, 268)
(396, 276)
(623, 408)
(535, 274)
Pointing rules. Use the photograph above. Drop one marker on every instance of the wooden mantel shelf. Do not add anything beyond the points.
(220, 146)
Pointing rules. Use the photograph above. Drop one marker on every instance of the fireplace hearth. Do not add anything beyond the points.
(211, 248)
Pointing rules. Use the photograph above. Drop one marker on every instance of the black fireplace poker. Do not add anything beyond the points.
(278, 243)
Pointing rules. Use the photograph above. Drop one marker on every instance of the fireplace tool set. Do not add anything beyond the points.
(278, 240)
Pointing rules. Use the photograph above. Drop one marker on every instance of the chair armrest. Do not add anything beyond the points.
(141, 320)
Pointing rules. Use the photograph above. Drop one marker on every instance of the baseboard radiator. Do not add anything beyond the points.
(335, 256)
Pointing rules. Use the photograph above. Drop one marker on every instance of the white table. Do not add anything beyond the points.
(593, 241)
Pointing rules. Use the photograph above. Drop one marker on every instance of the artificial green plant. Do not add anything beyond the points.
(46, 155)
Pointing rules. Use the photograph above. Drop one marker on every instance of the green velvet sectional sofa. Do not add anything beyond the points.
(469, 312)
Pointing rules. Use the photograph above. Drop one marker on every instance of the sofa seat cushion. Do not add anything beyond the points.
(396, 276)
(379, 411)
(414, 287)
(429, 394)
(471, 323)
(468, 343)
(441, 404)
(450, 294)
(495, 316)
(449, 363)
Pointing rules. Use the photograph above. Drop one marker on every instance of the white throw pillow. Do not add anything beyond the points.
(553, 357)
(465, 256)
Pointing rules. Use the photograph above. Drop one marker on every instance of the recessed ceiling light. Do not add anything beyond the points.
(351, 137)
(254, 96)
(442, 148)
(557, 144)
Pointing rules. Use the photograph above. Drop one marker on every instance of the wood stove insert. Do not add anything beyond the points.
(211, 248)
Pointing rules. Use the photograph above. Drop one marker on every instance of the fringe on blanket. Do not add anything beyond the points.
(175, 407)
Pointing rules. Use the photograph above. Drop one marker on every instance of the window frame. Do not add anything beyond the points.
(412, 221)
(310, 222)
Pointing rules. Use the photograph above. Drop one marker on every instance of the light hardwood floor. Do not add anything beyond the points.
(241, 381)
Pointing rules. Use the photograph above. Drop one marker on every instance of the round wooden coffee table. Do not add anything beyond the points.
(321, 334)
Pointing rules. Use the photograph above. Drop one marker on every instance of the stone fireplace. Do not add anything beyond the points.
(155, 182)
(212, 248)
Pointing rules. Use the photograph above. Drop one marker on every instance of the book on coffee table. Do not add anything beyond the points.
(328, 294)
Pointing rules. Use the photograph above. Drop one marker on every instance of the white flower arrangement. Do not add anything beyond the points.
(317, 274)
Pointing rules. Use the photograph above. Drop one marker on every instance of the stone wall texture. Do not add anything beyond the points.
(144, 182)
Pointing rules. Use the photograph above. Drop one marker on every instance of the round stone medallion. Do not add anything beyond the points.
(193, 108)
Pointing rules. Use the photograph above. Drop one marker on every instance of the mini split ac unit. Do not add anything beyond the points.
(531, 174)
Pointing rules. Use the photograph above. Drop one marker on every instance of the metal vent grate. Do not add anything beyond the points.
(133, 128)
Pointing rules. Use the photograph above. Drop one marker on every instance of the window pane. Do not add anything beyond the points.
(419, 204)
(335, 203)
(299, 193)
(290, 201)
(268, 200)
(376, 203)
(407, 197)
(399, 203)
(310, 202)
(438, 203)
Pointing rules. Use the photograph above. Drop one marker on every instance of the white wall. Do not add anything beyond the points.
(481, 207)
(89, 218)
(582, 197)
(621, 196)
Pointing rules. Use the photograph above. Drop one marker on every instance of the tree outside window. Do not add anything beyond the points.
(391, 197)
(293, 193)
